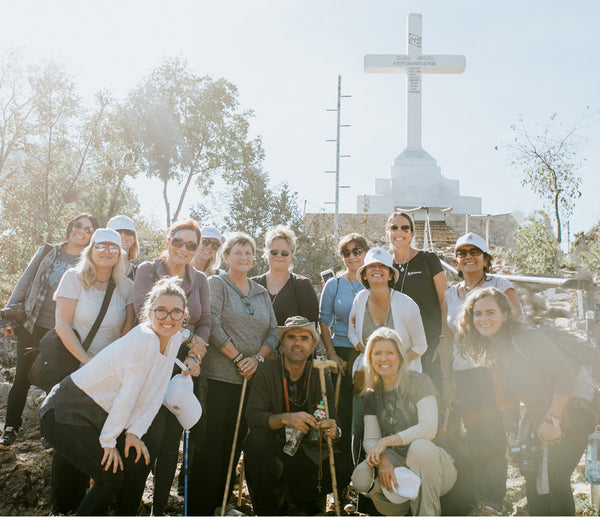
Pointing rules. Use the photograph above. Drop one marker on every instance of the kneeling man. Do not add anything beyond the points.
(285, 394)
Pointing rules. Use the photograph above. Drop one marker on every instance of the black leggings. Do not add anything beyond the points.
(80, 446)
(27, 351)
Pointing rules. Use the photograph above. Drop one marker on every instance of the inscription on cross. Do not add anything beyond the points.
(414, 64)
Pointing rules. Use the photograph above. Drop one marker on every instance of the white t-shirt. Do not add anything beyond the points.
(88, 307)
(455, 305)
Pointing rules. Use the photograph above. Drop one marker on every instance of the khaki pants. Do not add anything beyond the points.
(431, 463)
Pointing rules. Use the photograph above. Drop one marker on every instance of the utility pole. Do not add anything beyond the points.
(336, 222)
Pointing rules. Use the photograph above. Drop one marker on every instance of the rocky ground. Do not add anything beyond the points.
(25, 469)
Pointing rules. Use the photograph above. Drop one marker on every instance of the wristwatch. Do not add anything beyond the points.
(552, 420)
(259, 358)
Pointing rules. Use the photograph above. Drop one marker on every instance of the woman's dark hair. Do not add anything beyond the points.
(352, 237)
(92, 219)
(470, 341)
(365, 282)
(487, 264)
(181, 225)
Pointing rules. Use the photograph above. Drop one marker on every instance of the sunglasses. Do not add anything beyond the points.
(249, 307)
(403, 227)
(462, 253)
(175, 314)
(101, 246)
(283, 253)
(180, 243)
(209, 243)
(357, 252)
(80, 226)
(127, 233)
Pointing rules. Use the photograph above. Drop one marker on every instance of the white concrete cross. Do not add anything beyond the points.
(414, 64)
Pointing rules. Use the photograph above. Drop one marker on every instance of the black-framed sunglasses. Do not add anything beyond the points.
(209, 243)
(357, 252)
(102, 246)
(249, 308)
(403, 227)
(77, 225)
(283, 253)
(180, 243)
(175, 314)
(462, 253)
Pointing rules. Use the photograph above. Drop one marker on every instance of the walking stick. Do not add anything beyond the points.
(338, 385)
(232, 456)
(186, 445)
(321, 365)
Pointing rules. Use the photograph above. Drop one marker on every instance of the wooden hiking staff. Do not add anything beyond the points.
(321, 365)
(232, 456)
(338, 386)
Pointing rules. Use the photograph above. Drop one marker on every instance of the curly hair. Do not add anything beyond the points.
(469, 340)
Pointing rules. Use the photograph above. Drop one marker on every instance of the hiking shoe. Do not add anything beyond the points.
(8, 438)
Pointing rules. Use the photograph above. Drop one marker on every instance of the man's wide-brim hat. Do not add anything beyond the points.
(298, 322)
(378, 256)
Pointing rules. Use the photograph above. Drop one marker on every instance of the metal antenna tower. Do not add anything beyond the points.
(336, 219)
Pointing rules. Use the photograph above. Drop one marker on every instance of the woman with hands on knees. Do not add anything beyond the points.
(401, 420)
(557, 393)
(97, 415)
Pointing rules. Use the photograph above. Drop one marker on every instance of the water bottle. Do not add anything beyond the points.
(293, 437)
(319, 414)
(592, 458)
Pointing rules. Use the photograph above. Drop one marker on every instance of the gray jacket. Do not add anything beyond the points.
(247, 321)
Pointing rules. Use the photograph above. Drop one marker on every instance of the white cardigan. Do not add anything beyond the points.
(129, 379)
(407, 323)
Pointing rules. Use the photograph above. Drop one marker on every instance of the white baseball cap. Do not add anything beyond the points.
(209, 232)
(473, 239)
(181, 401)
(408, 486)
(120, 222)
(378, 256)
(106, 235)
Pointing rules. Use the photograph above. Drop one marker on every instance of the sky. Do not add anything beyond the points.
(524, 60)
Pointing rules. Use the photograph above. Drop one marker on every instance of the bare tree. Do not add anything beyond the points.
(549, 163)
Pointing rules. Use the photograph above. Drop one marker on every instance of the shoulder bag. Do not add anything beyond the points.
(55, 362)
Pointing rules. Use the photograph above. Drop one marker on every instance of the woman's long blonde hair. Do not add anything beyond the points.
(373, 380)
(86, 270)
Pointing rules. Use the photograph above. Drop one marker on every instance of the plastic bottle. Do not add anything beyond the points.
(592, 458)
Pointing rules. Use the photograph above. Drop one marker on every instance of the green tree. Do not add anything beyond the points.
(549, 163)
(535, 251)
(190, 128)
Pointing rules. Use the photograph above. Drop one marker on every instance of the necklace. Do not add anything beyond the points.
(404, 271)
(354, 289)
(479, 282)
(101, 281)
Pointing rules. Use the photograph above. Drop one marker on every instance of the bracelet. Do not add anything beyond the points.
(194, 358)
(553, 420)
(259, 358)
(238, 358)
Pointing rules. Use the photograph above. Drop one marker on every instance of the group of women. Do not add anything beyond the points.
(420, 363)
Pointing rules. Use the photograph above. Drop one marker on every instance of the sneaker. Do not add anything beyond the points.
(8, 438)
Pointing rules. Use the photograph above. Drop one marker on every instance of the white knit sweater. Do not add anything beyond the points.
(129, 379)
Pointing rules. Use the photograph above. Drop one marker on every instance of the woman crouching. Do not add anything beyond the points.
(401, 418)
(97, 414)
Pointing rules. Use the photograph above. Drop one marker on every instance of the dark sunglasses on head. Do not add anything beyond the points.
(357, 252)
(283, 253)
(403, 227)
(180, 243)
(127, 233)
(462, 253)
(208, 243)
(161, 314)
(80, 226)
